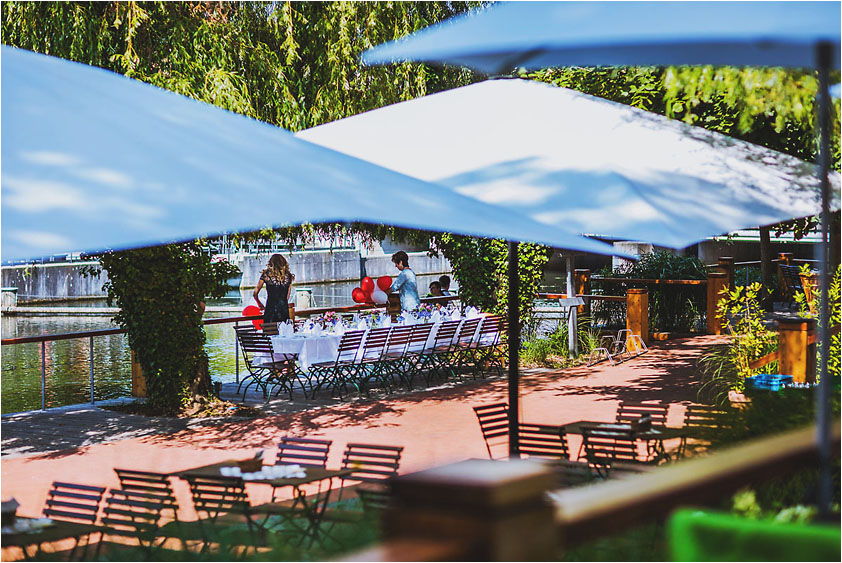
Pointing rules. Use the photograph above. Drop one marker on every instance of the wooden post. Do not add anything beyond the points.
(497, 510)
(582, 279)
(393, 305)
(292, 312)
(810, 283)
(637, 312)
(784, 259)
(716, 283)
(138, 379)
(726, 266)
(796, 356)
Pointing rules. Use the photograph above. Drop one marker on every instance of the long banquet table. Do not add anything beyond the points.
(314, 349)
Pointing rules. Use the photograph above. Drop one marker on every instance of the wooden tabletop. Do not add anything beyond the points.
(313, 474)
(55, 531)
(654, 432)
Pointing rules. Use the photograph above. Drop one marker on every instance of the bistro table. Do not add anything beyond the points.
(311, 510)
(37, 531)
(654, 435)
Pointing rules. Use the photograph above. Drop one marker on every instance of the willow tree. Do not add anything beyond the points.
(293, 64)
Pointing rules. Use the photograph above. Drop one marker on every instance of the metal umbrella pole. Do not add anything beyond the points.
(823, 58)
(514, 350)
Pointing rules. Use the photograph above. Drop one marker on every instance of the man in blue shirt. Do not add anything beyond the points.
(405, 282)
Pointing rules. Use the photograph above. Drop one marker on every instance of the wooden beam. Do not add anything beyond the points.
(587, 512)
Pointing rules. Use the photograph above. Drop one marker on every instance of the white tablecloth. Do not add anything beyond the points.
(310, 349)
(316, 349)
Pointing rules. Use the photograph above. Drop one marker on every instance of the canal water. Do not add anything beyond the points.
(67, 362)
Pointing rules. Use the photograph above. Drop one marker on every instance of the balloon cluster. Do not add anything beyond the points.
(250, 311)
(369, 292)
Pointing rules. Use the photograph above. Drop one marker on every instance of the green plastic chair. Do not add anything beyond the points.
(696, 535)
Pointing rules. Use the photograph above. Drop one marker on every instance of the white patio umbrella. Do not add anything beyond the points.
(591, 165)
(539, 35)
(507, 35)
(93, 160)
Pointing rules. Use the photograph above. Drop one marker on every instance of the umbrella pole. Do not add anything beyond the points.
(514, 350)
(823, 55)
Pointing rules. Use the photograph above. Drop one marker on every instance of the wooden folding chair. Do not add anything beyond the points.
(219, 502)
(463, 345)
(339, 372)
(370, 364)
(542, 441)
(438, 359)
(702, 421)
(416, 348)
(373, 466)
(265, 367)
(155, 484)
(629, 412)
(133, 514)
(494, 424)
(605, 448)
(310, 452)
(72, 502)
(394, 355)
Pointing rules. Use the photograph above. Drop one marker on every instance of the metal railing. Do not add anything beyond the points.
(43, 339)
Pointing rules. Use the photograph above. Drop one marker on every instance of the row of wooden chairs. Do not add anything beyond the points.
(381, 357)
(604, 449)
(145, 507)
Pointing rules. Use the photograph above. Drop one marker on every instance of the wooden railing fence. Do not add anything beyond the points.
(484, 510)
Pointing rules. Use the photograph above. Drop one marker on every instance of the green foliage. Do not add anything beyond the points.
(724, 367)
(159, 291)
(835, 300)
(285, 543)
(293, 64)
(744, 317)
(671, 307)
(553, 350)
(481, 267)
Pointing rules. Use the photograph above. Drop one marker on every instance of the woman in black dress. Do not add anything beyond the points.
(278, 280)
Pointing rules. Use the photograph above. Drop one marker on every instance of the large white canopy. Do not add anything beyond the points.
(93, 160)
(572, 160)
(506, 35)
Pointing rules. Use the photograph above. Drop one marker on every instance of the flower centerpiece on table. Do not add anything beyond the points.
(330, 319)
(425, 311)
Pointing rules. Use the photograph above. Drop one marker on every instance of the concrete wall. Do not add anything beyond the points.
(308, 267)
(376, 266)
(53, 282)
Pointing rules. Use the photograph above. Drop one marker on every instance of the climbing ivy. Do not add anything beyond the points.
(160, 292)
(481, 268)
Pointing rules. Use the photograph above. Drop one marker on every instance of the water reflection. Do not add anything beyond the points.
(68, 364)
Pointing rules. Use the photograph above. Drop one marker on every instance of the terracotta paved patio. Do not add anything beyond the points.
(435, 426)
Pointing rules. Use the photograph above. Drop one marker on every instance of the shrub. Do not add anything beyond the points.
(671, 307)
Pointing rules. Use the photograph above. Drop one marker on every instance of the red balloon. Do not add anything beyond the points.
(384, 283)
(367, 285)
(251, 311)
(358, 295)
